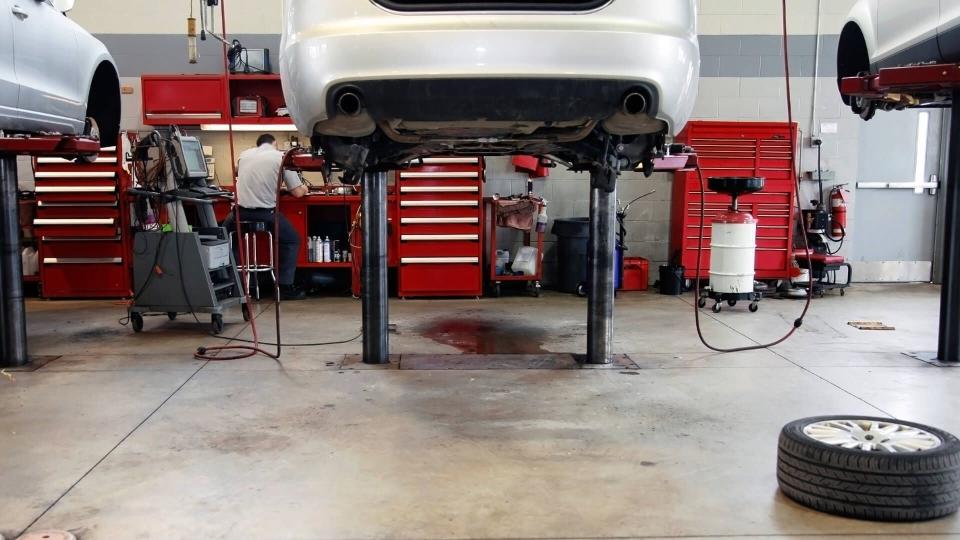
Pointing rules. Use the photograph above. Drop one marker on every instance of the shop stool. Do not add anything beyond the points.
(249, 262)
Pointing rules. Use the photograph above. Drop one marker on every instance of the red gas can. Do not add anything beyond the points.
(636, 274)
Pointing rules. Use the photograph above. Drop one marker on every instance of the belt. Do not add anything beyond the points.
(257, 209)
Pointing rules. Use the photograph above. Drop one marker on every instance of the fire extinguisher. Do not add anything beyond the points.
(838, 211)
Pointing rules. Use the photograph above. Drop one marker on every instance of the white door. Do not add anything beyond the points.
(46, 54)
(9, 89)
(908, 26)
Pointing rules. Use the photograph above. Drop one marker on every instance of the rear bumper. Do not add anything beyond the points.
(315, 64)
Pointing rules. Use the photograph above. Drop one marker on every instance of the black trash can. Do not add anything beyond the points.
(671, 279)
(572, 236)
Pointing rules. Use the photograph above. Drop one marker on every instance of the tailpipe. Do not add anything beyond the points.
(350, 103)
(635, 102)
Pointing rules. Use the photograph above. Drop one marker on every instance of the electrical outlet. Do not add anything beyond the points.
(826, 174)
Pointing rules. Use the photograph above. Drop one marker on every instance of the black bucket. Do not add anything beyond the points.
(572, 236)
(671, 280)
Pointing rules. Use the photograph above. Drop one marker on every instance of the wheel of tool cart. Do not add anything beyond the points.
(536, 289)
(172, 315)
(843, 292)
(870, 468)
(582, 290)
(216, 323)
(754, 307)
(702, 302)
(495, 290)
(731, 303)
(717, 308)
(136, 321)
(245, 310)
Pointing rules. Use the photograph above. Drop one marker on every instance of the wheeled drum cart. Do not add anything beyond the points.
(494, 279)
(733, 245)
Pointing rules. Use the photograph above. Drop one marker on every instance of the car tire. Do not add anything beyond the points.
(92, 131)
(865, 483)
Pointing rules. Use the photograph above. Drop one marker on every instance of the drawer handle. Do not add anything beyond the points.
(65, 161)
(77, 260)
(74, 221)
(77, 204)
(76, 189)
(439, 189)
(439, 203)
(431, 220)
(439, 260)
(428, 237)
(472, 174)
(435, 160)
(82, 174)
(184, 115)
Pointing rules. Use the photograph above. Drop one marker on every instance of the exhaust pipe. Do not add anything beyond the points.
(350, 104)
(635, 103)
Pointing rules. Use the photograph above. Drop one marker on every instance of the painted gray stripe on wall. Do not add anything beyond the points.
(721, 56)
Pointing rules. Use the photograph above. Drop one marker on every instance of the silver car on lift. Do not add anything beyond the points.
(405, 78)
(890, 33)
(54, 76)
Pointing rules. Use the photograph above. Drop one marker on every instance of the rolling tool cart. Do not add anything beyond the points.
(733, 246)
(177, 267)
(498, 273)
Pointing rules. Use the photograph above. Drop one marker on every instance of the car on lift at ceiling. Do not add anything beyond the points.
(562, 78)
(890, 33)
(54, 76)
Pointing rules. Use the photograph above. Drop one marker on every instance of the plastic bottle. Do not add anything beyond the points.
(542, 218)
(336, 251)
(311, 251)
(326, 250)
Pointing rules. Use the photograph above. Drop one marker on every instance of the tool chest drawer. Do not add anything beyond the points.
(441, 238)
(83, 248)
(83, 278)
(440, 276)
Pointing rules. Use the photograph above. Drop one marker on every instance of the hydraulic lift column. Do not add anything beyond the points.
(600, 261)
(948, 349)
(373, 276)
(12, 312)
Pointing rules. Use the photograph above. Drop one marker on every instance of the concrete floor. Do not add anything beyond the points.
(124, 436)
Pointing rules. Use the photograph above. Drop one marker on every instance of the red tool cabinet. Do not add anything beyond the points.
(81, 223)
(737, 149)
(441, 232)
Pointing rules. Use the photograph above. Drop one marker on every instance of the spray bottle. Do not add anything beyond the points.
(326, 250)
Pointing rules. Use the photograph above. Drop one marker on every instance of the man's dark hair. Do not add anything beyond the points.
(266, 138)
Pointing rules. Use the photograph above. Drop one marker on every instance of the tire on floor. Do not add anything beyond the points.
(870, 468)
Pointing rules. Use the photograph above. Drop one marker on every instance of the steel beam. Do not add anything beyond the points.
(948, 349)
(373, 276)
(600, 262)
(13, 312)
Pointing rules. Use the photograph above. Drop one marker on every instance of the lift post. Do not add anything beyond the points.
(373, 290)
(12, 311)
(600, 262)
(935, 85)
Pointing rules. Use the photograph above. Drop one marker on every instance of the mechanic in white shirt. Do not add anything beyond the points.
(257, 172)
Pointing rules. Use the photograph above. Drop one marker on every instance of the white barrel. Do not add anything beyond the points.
(733, 248)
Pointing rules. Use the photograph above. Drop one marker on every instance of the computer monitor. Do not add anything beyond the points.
(254, 61)
(190, 164)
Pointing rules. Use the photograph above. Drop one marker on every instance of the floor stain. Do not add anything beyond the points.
(486, 336)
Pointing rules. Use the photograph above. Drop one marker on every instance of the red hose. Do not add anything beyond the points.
(703, 210)
(247, 351)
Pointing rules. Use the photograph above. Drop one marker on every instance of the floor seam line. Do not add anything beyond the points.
(112, 449)
(802, 367)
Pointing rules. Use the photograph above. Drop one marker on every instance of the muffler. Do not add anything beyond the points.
(349, 103)
(635, 102)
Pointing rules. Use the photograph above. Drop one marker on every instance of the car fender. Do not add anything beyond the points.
(864, 15)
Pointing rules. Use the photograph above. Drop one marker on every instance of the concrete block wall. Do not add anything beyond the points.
(741, 79)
